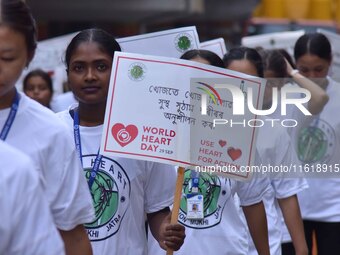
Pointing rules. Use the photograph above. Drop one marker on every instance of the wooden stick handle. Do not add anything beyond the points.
(177, 200)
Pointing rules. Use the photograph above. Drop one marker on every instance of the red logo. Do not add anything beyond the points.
(234, 153)
(124, 135)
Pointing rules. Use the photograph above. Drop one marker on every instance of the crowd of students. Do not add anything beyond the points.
(59, 195)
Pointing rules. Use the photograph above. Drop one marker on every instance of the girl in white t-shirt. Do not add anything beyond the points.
(319, 146)
(123, 189)
(221, 230)
(275, 149)
(21, 201)
(36, 131)
(276, 69)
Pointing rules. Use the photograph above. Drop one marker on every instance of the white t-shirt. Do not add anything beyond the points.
(222, 231)
(320, 146)
(275, 149)
(63, 101)
(123, 191)
(37, 132)
(26, 225)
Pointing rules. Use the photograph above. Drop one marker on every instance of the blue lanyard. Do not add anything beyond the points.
(77, 141)
(195, 180)
(11, 117)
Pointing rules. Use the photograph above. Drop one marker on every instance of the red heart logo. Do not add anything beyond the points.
(234, 153)
(124, 135)
(222, 143)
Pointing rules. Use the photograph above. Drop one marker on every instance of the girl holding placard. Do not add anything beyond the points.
(123, 189)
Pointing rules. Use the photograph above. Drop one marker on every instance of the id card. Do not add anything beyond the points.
(195, 207)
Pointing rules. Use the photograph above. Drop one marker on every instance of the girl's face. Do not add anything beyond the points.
(313, 67)
(13, 58)
(37, 89)
(89, 73)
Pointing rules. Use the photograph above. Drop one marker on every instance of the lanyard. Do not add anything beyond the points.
(11, 117)
(195, 179)
(77, 141)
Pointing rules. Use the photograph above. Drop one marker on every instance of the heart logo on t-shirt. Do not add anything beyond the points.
(222, 143)
(124, 135)
(234, 153)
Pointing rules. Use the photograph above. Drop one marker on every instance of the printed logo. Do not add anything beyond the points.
(124, 135)
(211, 92)
(316, 142)
(215, 193)
(110, 194)
(183, 42)
(137, 71)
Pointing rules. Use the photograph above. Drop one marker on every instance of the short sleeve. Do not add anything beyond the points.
(72, 202)
(160, 185)
(32, 229)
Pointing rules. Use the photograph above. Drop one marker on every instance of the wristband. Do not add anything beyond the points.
(293, 72)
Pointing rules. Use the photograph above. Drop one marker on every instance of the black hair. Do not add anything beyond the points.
(288, 57)
(105, 41)
(209, 56)
(240, 53)
(274, 61)
(315, 44)
(42, 74)
(17, 15)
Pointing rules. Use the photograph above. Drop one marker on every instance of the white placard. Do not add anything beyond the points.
(217, 46)
(153, 113)
(167, 43)
(280, 40)
(334, 39)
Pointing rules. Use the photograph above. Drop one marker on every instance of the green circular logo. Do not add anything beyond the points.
(315, 143)
(137, 71)
(110, 193)
(183, 42)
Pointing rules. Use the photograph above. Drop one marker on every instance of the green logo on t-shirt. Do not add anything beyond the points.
(215, 194)
(110, 193)
(315, 143)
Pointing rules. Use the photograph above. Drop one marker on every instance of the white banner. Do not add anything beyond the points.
(153, 113)
(168, 43)
(280, 40)
(217, 46)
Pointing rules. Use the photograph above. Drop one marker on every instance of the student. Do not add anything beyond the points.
(36, 131)
(221, 231)
(275, 149)
(276, 69)
(319, 145)
(26, 225)
(122, 189)
(37, 85)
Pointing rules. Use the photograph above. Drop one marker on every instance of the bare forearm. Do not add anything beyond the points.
(257, 224)
(76, 241)
(292, 216)
(319, 96)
